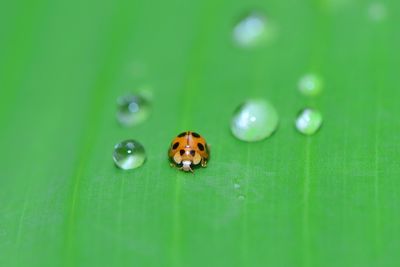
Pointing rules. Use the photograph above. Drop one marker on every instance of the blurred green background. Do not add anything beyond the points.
(332, 199)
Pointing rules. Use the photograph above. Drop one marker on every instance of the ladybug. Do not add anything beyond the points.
(188, 149)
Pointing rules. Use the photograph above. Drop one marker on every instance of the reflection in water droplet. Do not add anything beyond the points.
(252, 30)
(310, 85)
(309, 121)
(254, 120)
(377, 11)
(132, 109)
(236, 183)
(129, 154)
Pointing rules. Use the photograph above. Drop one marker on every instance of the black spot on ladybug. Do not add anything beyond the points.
(181, 152)
(195, 134)
(200, 146)
(175, 146)
(182, 134)
(192, 152)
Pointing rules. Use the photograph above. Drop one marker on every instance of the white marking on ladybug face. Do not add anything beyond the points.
(177, 158)
(186, 165)
(196, 159)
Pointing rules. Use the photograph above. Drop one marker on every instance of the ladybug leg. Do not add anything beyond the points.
(181, 168)
(172, 165)
(203, 163)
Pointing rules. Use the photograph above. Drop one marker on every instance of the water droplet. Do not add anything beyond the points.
(132, 109)
(236, 186)
(377, 11)
(254, 120)
(310, 85)
(129, 154)
(252, 30)
(241, 197)
(309, 121)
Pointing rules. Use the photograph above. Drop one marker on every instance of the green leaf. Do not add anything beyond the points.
(331, 199)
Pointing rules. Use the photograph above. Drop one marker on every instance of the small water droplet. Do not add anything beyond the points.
(241, 197)
(236, 186)
(254, 120)
(252, 30)
(377, 11)
(309, 121)
(310, 85)
(132, 109)
(129, 154)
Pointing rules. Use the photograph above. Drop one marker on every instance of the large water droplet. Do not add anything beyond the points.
(132, 109)
(252, 30)
(129, 154)
(377, 11)
(254, 120)
(309, 121)
(310, 85)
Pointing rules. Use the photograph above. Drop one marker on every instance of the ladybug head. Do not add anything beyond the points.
(187, 157)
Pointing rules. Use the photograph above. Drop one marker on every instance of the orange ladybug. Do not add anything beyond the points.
(188, 149)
